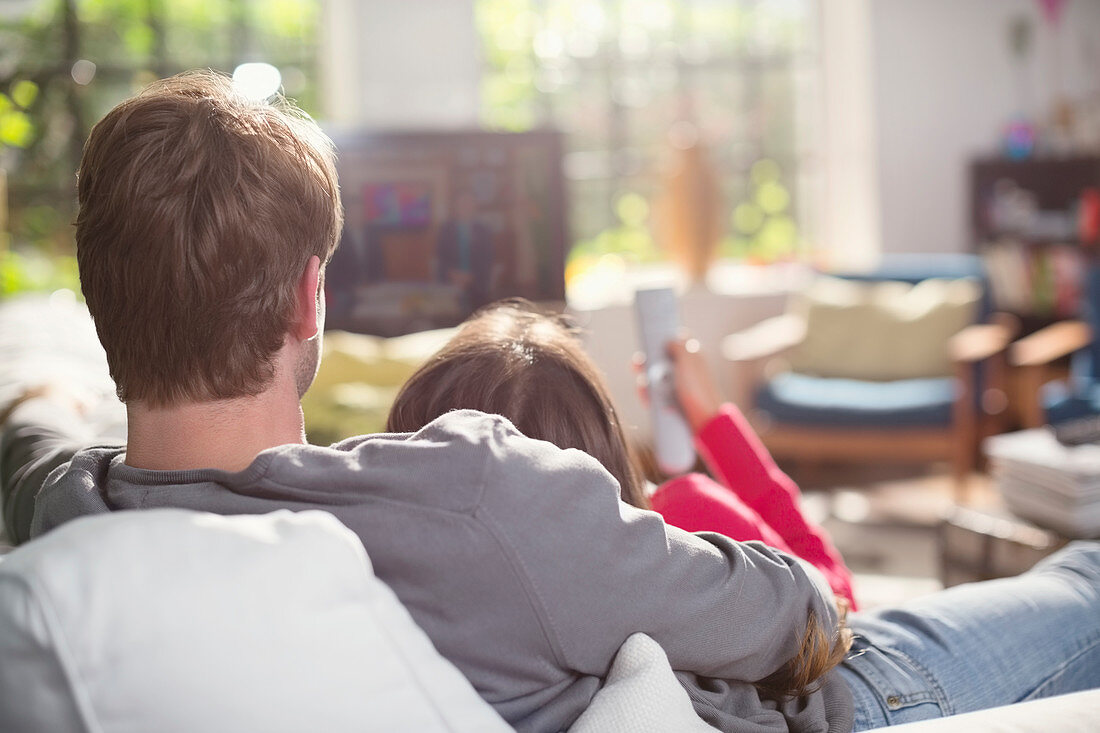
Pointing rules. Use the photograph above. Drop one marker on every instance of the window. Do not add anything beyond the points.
(65, 63)
(620, 76)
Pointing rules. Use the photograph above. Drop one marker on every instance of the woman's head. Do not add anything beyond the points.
(510, 359)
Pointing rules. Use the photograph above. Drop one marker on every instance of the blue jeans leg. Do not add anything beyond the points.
(980, 645)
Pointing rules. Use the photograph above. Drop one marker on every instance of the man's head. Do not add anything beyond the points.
(200, 211)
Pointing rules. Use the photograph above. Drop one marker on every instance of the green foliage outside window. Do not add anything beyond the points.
(64, 63)
(615, 75)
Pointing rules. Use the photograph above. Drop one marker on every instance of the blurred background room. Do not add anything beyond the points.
(881, 218)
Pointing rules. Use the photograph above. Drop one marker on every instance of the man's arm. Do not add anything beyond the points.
(598, 570)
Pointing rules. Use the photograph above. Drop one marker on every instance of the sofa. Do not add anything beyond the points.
(167, 620)
(170, 620)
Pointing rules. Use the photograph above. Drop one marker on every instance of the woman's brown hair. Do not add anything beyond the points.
(513, 360)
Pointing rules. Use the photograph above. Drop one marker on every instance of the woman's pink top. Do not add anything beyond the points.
(757, 501)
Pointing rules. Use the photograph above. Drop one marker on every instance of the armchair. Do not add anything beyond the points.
(918, 415)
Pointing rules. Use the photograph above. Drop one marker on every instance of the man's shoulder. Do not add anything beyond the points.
(458, 463)
(88, 467)
(465, 459)
(458, 430)
(74, 489)
(448, 464)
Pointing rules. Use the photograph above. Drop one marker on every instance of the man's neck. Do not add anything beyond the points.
(223, 434)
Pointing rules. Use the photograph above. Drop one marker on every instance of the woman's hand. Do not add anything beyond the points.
(695, 389)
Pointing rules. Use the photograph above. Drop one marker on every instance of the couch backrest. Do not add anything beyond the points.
(913, 268)
(168, 620)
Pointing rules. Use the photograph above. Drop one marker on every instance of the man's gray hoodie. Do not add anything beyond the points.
(520, 562)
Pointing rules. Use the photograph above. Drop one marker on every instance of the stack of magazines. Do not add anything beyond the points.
(1054, 485)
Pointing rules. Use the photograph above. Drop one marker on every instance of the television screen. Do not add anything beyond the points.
(438, 224)
(398, 204)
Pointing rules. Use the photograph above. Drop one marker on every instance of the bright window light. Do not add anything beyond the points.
(257, 81)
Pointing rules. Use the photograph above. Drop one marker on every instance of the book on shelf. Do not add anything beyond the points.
(1030, 279)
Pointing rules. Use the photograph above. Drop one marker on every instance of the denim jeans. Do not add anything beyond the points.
(980, 645)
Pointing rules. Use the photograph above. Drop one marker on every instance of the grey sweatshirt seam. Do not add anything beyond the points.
(484, 516)
(549, 631)
(354, 500)
(253, 474)
(263, 480)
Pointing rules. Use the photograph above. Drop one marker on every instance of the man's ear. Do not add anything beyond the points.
(307, 319)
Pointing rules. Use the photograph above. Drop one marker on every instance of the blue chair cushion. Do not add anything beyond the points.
(1064, 401)
(913, 268)
(800, 399)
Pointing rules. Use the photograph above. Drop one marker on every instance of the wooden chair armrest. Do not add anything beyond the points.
(1050, 343)
(982, 341)
(766, 339)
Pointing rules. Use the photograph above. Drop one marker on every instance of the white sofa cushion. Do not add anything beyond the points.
(168, 620)
(641, 695)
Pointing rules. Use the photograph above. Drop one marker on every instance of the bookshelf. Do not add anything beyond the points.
(1025, 221)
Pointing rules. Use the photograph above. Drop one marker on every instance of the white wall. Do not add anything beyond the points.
(944, 87)
(848, 213)
(400, 63)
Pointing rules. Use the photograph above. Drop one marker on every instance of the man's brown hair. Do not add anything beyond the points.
(199, 209)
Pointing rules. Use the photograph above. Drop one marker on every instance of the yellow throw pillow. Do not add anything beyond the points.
(882, 330)
(359, 379)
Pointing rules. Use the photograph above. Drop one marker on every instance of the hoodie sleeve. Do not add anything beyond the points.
(35, 439)
(598, 570)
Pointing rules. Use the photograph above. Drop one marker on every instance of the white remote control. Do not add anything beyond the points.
(658, 324)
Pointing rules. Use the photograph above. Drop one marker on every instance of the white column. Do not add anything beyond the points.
(850, 219)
